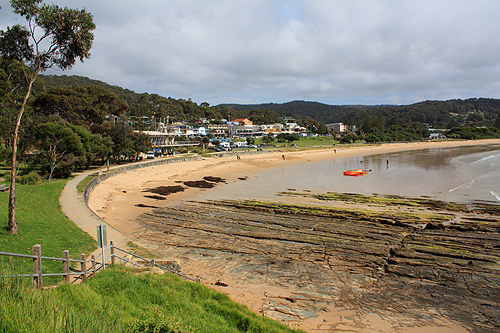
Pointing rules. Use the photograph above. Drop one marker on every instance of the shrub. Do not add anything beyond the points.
(197, 150)
(161, 324)
(32, 178)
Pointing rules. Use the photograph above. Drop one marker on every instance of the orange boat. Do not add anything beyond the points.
(356, 172)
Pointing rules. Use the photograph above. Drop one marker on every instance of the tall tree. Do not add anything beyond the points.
(58, 143)
(54, 37)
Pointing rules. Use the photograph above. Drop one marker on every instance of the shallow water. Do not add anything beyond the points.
(459, 174)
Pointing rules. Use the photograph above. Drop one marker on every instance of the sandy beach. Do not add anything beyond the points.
(115, 201)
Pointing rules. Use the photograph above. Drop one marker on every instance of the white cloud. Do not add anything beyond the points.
(373, 51)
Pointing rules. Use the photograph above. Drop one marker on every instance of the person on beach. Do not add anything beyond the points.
(283, 157)
(335, 150)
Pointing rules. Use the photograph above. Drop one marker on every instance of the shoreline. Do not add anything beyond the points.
(115, 198)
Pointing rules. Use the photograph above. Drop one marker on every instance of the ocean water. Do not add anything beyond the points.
(479, 176)
(459, 174)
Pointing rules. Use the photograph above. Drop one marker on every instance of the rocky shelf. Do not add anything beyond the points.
(395, 264)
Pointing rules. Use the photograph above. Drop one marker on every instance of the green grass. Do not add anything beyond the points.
(121, 300)
(42, 222)
(81, 185)
(140, 251)
(311, 142)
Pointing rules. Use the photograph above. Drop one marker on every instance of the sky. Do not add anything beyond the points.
(259, 51)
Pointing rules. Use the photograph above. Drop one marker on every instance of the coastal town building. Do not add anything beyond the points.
(242, 122)
(337, 128)
(218, 130)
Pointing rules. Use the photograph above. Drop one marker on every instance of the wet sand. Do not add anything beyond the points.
(116, 198)
(438, 173)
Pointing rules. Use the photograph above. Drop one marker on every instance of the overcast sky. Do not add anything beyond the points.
(258, 51)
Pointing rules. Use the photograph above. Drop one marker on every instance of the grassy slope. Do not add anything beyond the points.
(42, 222)
(118, 300)
(121, 300)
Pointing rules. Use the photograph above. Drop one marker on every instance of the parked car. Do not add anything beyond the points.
(150, 154)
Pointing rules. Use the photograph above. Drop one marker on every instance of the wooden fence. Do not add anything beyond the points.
(87, 267)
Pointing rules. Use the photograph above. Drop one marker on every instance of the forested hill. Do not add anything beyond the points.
(145, 104)
(56, 81)
(303, 110)
(473, 112)
(440, 114)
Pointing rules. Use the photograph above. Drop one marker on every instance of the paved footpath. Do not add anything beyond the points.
(74, 207)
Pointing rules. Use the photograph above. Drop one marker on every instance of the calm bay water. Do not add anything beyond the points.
(460, 174)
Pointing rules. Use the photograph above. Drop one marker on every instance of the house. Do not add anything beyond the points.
(336, 128)
(243, 122)
(243, 131)
(218, 130)
(437, 136)
(159, 139)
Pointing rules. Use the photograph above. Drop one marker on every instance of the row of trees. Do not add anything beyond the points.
(68, 130)
(144, 107)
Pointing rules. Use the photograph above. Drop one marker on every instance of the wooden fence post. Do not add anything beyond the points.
(92, 259)
(37, 266)
(153, 263)
(66, 266)
(83, 266)
(112, 248)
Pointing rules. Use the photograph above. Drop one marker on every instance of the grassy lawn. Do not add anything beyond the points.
(42, 222)
(310, 142)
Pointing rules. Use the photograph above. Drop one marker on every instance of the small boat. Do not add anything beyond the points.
(356, 172)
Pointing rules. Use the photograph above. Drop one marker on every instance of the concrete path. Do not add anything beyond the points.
(74, 207)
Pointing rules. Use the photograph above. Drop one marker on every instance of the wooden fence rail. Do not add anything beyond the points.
(84, 272)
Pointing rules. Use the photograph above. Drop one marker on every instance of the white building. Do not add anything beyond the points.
(337, 128)
(218, 130)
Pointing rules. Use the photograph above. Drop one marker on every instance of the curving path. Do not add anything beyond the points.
(74, 207)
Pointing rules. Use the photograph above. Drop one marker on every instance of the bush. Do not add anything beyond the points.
(349, 138)
(32, 178)
(161, 324)
(197, 150)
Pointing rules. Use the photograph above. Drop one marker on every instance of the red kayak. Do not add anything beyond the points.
(356, 172)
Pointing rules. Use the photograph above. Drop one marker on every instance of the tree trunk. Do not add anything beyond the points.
(13, 226)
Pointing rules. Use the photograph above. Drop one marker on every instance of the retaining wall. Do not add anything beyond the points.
(94, 182)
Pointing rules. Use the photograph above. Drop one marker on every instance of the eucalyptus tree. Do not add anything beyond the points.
(53, 37)
(59, 145)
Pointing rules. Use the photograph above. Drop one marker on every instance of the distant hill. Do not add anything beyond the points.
(439, 114)
(301, 110)
(54, 81)
(145, 104)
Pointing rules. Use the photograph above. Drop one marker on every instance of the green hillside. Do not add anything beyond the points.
(472, 112)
